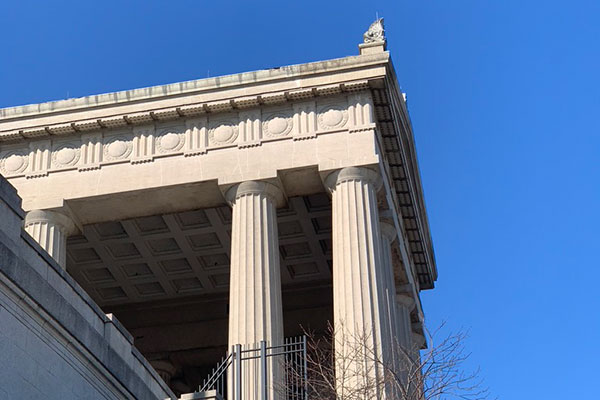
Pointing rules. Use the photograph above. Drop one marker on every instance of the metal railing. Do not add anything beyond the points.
(285, 363)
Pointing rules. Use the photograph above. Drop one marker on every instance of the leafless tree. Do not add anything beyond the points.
(344, 366)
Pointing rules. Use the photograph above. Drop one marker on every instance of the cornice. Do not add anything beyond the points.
(395, 126)
(242, 94)
(171, 113)
(193, 87)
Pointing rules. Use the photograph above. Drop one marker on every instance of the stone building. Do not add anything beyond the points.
(206, 214)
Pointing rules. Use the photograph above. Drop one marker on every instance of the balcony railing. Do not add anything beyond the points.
(279, 370)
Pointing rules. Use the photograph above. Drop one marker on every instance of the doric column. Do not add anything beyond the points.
(165, 369)
(408, 361)
(255, 312)
(418, 341)
(358, 281)
(51, 229)
(404, 306)
(388, 234)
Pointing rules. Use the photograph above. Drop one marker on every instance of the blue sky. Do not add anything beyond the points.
(505, 103)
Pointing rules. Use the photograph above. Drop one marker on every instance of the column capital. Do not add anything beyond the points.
(270, 190)
(164, 368)
(388, 230)
(406, 301)
(363, 174)
(65, 223)
(418, 339)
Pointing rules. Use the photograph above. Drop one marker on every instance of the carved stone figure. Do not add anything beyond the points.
(375, 33)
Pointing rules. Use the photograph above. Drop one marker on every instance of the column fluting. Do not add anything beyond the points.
(255, 311)
(50, 229)
(404, 306)
(388, 234)
(359, 289)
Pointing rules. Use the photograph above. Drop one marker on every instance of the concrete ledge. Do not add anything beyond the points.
(193, 86)
(8, 194)
(43, 285)
(208, 395)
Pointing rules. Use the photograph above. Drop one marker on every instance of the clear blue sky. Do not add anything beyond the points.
(505, 103)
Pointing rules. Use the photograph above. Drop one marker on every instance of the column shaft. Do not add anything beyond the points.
(361, 327)
(388, 233)
(255, 312)
(403, 324)
(409, 357)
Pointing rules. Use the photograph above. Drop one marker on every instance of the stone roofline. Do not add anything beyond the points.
(212, 91)
(369, 72)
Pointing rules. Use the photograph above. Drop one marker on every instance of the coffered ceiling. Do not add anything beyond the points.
(187, 253)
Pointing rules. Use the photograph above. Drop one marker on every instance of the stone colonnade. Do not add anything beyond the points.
(366, 307)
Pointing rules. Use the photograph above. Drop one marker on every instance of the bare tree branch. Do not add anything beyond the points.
(347, 366)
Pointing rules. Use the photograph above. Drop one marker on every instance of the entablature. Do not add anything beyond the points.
(192, 98)
(149, 140)
(225, 129)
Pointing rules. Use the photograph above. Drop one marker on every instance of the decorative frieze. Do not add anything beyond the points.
(277, 124)
(149, 116)
(117, 147)
(223, 130)
(91, 151)
(250, 128)
(143, 144)
(196, 137)
(114, 140)
(332, 116)
(360, 112)
(14, 162)
(65, 155)
(39, 159)
(305, 120)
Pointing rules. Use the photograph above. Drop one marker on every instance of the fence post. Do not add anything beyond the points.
(305, 368)
(237, 381)
(263, 369)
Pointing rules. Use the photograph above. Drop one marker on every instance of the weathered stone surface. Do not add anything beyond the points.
(127, 165)
(255, 312)
(55, 343)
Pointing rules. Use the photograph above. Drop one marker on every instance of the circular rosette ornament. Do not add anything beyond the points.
(223, 133)
(277, 125)
(169, 142)
(13, 163)
(117, 148)
(332, 117)
(65, 155)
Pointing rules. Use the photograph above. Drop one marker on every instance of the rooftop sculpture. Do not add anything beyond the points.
(375, 33)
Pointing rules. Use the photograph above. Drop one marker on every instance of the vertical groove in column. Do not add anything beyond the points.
(255, 290)
(396, 341)
(404, 326)
(390, 292)
(358, 278)
(50, 229)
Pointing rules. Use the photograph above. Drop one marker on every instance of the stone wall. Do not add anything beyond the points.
(55, 342)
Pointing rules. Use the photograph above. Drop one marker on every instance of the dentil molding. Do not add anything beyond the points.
(103, 143)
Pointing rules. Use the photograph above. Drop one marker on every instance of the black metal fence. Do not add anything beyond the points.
(279, 370)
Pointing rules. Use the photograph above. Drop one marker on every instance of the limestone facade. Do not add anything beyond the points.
(256, 142)
(55, 342)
